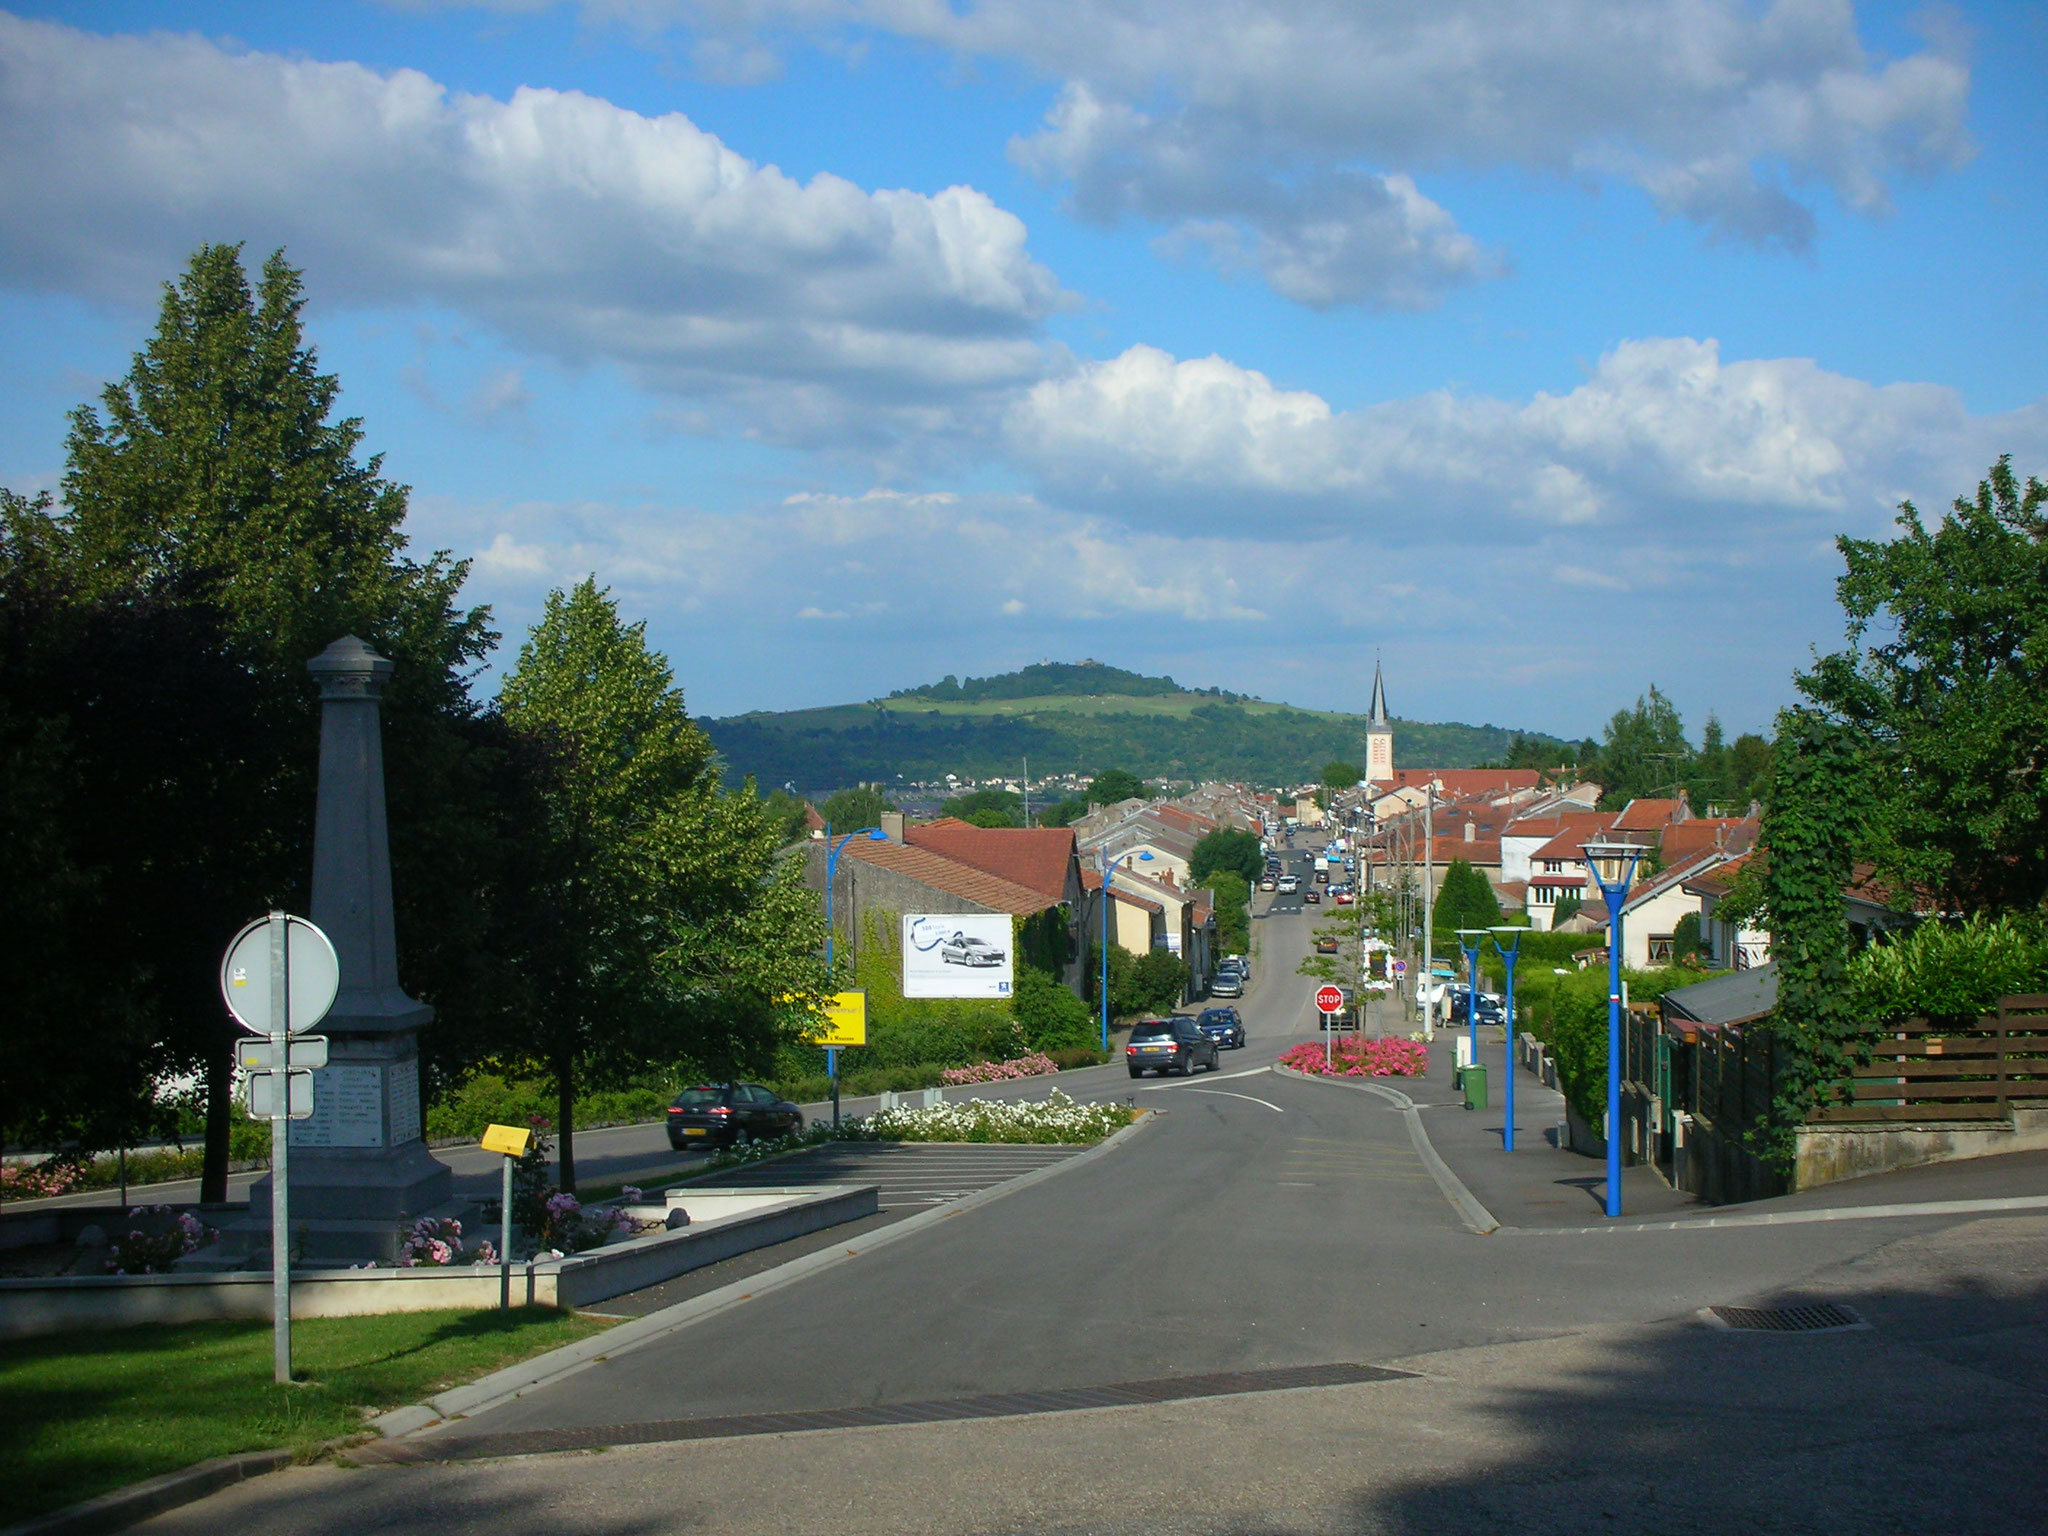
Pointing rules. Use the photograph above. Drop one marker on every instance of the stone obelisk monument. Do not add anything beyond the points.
(359, 1168)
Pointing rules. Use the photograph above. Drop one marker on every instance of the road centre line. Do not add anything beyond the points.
(1225, 1093)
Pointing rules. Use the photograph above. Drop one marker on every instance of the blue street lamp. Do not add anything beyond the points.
(1108, 869)
(1508, 952)
(1471, 940)
(832, 852)
(1614, 894)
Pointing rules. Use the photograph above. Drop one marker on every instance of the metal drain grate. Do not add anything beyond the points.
(992, 1406)
(1817, 1317)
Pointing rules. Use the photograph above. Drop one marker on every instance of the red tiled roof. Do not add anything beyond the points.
(1685, 840)
(1719, 880)
(1465, 781)
(1646, 815)
(1037, 858)
(949, 875)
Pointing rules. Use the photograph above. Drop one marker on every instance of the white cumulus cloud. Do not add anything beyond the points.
(1661, 429)
(576, 227)
(1291, 137)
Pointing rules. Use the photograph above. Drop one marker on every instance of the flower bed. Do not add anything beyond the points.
(1056, 1118)
(1355, 1056)
(1037, 1064)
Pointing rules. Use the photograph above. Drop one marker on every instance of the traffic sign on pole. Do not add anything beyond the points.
(1329, 999)
(1400, 967)
(308, 1051)
(264, 1091)
(309, 960)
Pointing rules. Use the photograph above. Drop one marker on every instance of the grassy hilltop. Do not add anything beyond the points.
(1072, 717)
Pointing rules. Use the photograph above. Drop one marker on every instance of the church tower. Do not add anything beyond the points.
(1379, 735)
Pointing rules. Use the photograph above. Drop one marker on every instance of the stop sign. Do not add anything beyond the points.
(1329, 999)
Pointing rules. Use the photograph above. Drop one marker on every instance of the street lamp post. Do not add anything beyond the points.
(832, 852)
(1472, 940)
(1508, 953)
(1614, 893)
(1109, 868)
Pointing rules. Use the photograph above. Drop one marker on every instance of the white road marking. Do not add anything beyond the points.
(1225, 1093)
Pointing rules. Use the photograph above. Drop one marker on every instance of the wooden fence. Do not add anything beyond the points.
(1919, 1071)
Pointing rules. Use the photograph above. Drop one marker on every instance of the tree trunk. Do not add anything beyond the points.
(565, 1123)
(220, 1104)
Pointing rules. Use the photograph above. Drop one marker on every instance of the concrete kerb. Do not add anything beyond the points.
(1989, 1206)
(1475, 1217)
(124, 1507)
(543, 1370)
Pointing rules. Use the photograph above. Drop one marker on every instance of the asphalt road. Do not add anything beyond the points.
(1544, 1381)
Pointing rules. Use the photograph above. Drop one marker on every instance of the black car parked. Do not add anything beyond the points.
(1177, 1044)
(1223, 1026)
(729, 1115)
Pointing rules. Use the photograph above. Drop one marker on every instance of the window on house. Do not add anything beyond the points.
(1660, 948)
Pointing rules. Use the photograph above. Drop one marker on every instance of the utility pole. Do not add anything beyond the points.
(1428, 901)
(1027, 789)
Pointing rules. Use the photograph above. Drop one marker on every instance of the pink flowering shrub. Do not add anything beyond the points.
(1357, 1056)
(1037, 1064)
(569, 1228)
(36, 1181)
(155, 1250)
(433, 1241)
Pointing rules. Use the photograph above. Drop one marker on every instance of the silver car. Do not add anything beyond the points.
(962, 950)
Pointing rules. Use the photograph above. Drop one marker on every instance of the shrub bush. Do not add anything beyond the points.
(1051, 1017)
(1950, 973)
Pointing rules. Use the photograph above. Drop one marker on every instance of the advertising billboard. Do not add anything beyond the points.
(957, 954)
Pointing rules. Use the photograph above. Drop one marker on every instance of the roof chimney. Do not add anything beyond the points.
(892, 823)
(1471, 831)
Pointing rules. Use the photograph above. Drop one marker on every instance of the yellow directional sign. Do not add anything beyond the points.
(508, 1139)
(846, 1021)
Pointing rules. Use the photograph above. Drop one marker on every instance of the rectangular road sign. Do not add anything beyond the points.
(508, 1139)
(259, 1055)
(264, 1091)
(846, 1021)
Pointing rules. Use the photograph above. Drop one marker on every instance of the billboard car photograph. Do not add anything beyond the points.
(957, 954)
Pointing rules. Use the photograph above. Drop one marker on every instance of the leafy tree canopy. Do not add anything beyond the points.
(218, 528)
(1952, 706)
(1465, 900)
(1114, 784)
(663, 927)
(1338, 774)
(852, 809)
(1645, 751)
(987, 808)
(1226, 848)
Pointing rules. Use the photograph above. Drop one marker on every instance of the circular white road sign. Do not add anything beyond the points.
(312, 972)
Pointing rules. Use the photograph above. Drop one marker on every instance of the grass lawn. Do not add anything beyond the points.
(91, 1412)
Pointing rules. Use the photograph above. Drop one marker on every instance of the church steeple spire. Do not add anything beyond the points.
(1379, 734)
(1377, 717)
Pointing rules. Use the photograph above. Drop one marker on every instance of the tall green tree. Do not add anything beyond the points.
(217, 529)
(852, 809)
(660, 924)
(987, 808)
(1466, 899)
(1114, 784)
(1644, 751)
(1945, 684)
(1339, 774)
(1233, 911)
(1230, 848)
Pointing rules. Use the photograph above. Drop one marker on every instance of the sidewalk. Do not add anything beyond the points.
(1536, 1185)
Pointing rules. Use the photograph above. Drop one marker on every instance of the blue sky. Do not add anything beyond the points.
(1540, 347)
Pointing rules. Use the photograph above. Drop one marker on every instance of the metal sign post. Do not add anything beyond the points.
(511, 1141)
(1328, 1001)
(265, 993)
(280, 1154)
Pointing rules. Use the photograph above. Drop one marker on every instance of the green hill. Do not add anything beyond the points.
(1075, 718)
